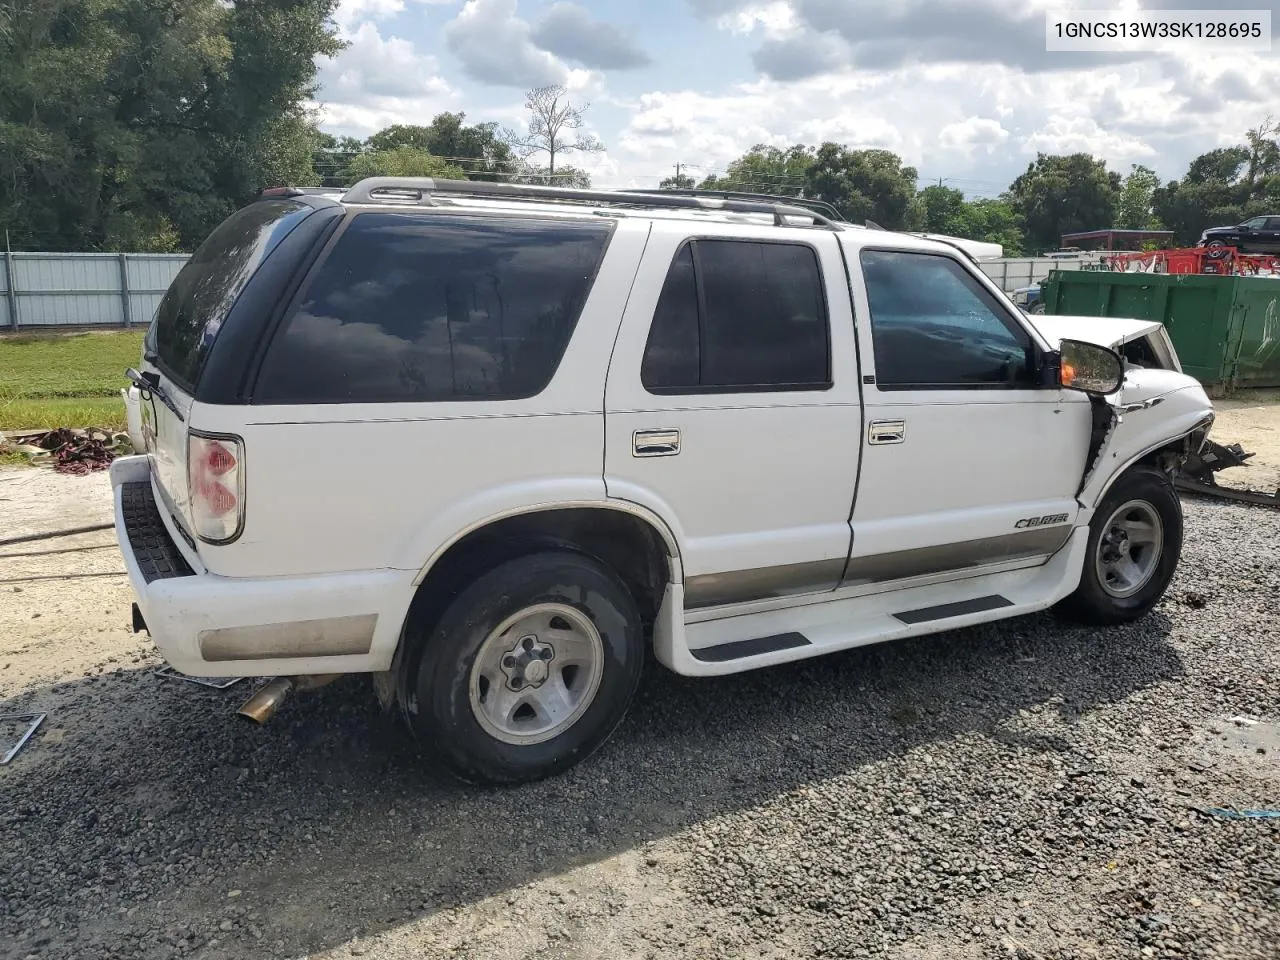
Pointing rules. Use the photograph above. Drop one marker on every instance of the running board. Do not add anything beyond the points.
(750, 648)
(947, 610)
(747, 641)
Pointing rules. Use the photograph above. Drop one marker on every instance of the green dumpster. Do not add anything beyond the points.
(1226, 329)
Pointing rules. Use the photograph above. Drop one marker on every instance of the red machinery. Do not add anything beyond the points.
(1222, 261)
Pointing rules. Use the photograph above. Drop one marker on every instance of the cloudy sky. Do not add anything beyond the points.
(964, 90)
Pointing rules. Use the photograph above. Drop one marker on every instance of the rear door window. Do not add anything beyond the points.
(737, 315)
(421, 307)
(204, 291)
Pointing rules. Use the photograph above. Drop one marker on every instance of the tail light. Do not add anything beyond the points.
(215, 481)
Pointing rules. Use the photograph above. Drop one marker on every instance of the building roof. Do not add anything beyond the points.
(1103, 234)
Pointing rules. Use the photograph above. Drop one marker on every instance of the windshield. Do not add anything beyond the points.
(200, 297)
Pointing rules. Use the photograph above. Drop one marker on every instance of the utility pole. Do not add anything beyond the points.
(678, 166)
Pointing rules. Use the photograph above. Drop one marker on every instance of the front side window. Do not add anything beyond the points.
(935, 326)
(738, 316)
(1257, 223)
(422, 307)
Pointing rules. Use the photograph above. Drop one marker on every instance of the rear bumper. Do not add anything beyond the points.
(214, 626)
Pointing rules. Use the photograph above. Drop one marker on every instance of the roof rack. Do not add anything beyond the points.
(421, 189)
(300, 192)
(820, 206)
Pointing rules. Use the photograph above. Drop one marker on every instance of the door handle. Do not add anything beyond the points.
(887, 431)
(655, 443)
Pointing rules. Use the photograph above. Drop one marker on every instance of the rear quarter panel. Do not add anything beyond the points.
(340, 487)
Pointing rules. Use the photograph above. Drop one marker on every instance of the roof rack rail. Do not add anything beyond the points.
(821, 206)
(421, 189)
(300, 192)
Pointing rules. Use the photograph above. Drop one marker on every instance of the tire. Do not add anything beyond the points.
(1217, 249)
(1037, 307)
(1109, 593)
(489, 682)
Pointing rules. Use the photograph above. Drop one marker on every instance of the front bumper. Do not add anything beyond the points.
(215, 626)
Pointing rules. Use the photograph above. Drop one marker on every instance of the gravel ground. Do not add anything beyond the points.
(1024, 789)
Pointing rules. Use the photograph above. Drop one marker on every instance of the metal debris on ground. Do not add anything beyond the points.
(217, 683)
(1245, 814)
(1198, 475)
(33, 721)
(75, 451)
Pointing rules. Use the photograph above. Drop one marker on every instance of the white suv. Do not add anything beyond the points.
(490, 444)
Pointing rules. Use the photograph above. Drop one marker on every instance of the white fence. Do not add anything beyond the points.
(1014, 272)
(75, 289)
(124, 289)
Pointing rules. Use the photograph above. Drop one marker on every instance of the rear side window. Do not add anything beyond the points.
(416, 307)
(737, 316)
(204, 291)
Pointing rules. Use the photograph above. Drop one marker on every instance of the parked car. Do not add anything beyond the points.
(490, 444)
(1029, 299)
(1255, 235)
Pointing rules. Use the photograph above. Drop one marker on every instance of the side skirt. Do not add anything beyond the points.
(733, 644)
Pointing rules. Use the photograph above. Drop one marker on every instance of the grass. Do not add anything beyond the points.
(65, 380)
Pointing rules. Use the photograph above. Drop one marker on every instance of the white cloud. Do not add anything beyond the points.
(572, 32)
(377, 81)
(495, 46)
(1084, 135)
(350, 13)
(973, 133)
(979, 126)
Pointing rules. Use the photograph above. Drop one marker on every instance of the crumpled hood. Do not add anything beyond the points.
(1113, 332)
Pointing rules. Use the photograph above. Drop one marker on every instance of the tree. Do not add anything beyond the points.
(555, 127)
(863, 184)
(400, 135)
(765, 169)
(944, 210)
(1063, 194)
(330, 157)
(940, 210)
(127, 123)
(479, 148)
(545, 177)
(681, 181)
(1213, 192)
(993, 221)
(400, 162)
(1133, 209)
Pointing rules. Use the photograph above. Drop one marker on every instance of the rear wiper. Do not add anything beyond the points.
(150, 383)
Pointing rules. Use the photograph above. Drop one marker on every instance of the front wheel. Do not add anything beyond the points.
(1135, 540)
(528, 670)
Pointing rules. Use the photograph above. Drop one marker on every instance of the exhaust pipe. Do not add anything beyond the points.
(262, 706)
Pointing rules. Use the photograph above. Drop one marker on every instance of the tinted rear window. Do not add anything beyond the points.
(421, 307)
(202, 294)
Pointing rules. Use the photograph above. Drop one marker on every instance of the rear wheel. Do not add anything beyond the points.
(1135, 540)
(528, 670)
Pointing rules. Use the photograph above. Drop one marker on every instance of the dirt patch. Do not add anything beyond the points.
(1024, 787)
(1254, 423)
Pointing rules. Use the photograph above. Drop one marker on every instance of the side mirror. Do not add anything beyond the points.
(1089, 368)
